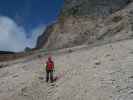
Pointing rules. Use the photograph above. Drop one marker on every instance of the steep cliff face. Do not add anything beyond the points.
(92, 7)
(87, 21)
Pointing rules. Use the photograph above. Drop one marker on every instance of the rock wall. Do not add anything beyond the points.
(87, 21)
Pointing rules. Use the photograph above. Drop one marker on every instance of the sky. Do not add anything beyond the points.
(22, 21)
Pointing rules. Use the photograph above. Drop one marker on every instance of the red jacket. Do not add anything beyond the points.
(49, 65)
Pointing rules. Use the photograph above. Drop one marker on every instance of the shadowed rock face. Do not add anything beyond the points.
(44, 37)
(86, 21)
(92, 7)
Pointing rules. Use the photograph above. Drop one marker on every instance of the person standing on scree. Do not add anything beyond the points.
(49, 69)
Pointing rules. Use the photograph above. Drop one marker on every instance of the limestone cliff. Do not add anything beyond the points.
(87, 21)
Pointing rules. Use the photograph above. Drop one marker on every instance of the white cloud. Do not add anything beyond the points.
(35, 34)
(13, 37)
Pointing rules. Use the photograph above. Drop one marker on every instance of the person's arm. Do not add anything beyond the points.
(46, 64)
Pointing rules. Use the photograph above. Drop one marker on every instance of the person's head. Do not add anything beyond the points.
(49, 58)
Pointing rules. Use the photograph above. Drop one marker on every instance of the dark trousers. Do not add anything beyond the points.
(49, 75)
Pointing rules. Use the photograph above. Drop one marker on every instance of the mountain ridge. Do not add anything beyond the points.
(72, 30)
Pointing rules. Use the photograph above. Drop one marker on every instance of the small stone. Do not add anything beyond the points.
(15, 76)
(70, 50)
(58, 98)
(131, 52)
(131, 77)
(1, 66)
(85, 91)
(41, 78)
(107, 55)
(112, 59)
(97, 63)
(23, 90)
(94, 67)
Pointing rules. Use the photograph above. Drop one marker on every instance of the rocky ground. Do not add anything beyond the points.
(100, 73)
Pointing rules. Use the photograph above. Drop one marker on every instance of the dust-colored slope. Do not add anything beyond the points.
(101, 73)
